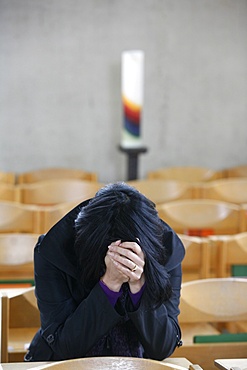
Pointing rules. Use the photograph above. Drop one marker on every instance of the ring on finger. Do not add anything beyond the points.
(134, 268)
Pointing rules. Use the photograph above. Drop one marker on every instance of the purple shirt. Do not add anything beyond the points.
(113, 296)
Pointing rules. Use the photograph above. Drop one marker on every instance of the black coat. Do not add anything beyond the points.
(72, 320)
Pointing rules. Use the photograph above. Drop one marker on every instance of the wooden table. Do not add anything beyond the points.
(181, 361)
(20, 365)
(227, 364)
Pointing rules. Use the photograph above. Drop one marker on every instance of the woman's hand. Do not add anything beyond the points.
(128, 259)
(113, 277)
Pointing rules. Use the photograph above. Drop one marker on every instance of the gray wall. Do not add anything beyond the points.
(60, 93)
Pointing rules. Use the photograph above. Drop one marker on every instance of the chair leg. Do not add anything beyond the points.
(4, 328)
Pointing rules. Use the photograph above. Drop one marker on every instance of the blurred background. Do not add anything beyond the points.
(60, 83)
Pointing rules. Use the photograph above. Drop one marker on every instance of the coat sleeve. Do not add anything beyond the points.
(158, 328)
(70, 329)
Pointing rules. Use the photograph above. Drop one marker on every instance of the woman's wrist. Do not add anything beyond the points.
(114, 286)
(136, 286)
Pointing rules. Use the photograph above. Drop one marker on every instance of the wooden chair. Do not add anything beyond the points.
(199, 260)
(54, 192)
(96, 363)
(206, 353)
(20, 321)
(232, 190)
(7, 177)
(19, 218)
(235, 171)
(232, 261)
(9, 192)
(202, 217)
(161, 191)
(55, 173)
(49, 216)
(185, 173)
(206, 306)
(16, 259)
(232, 251)
(244, 217)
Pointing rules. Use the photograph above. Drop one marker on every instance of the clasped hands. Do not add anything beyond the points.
(124, 263)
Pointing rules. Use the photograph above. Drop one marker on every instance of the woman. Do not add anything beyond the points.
(108, 278)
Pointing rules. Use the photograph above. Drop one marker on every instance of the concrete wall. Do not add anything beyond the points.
(60, 83)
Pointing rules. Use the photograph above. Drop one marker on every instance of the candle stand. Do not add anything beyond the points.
(132, 154)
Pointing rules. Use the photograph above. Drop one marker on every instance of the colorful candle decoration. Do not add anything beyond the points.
(132, 97)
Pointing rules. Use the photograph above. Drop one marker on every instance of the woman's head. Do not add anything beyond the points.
(117, 212)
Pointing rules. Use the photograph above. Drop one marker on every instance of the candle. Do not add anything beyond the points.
(132, 97)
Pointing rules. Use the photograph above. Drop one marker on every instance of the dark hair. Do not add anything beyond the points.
(120, 212)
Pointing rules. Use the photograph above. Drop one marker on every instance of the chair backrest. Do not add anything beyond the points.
(111, 363)
(16, 258)
(161, 191)
(53, 192)
(199, 260)
(7, 177)
(8, 192)
(55, 173)
(49, 216)
(232, 251)
(205, 303)
(17, 217)
(213, 300)
(232, 190)
(236, 171)
(202, 217)
(184, 173)
(20, 321)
